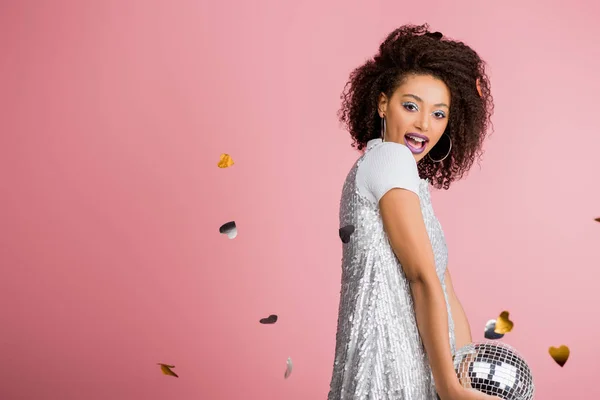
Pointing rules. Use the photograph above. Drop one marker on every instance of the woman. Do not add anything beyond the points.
(421, 109)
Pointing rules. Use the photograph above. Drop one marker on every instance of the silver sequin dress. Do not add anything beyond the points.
(379, 354)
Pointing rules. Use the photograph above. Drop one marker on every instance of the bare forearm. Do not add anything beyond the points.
(462, 329)
(432, 321)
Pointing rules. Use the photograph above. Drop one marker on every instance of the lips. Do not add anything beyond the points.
(416, 142)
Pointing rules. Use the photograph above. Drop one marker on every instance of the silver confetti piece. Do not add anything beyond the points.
(489, 330)
(288, 370)
(229, 229)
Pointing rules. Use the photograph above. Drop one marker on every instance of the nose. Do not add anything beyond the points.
(423, 122)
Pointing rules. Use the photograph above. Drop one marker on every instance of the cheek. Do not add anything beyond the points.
(440, 128)
(403, 118)
(439, 132)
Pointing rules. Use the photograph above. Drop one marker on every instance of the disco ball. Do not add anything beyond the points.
(494, 368)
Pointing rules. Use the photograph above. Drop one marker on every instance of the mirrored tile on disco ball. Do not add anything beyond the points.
(560, 354)
(346, 232)
(489, 332)
(494, 368)
(271, 319)
(288, 369)
(166, 369)
(229, 229)
(225, 161)
(503, 323)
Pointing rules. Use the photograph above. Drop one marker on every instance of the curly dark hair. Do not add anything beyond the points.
(412, 49)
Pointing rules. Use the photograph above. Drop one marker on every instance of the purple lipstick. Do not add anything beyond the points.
(416, 142)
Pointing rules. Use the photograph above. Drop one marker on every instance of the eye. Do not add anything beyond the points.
(439, 114)
(410, 106)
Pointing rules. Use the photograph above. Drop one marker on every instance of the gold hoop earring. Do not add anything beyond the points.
(447, 154)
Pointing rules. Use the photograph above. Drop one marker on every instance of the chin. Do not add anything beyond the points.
(419, 157)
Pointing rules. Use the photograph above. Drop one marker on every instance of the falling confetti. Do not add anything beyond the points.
(490, 330)
(503, 324)
(225, 161)
(560, 354)
(166, 369)
(597, 219)
(271, 319)
(229, 229)
(288, 370)
(346, 232)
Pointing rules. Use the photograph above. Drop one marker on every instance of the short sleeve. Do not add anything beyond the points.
(388, 166)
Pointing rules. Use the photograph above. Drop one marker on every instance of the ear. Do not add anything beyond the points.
(382, 104)
(478, 84)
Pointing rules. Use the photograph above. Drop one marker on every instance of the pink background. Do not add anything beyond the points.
(114, 115)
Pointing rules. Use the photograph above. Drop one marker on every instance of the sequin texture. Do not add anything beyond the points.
(379, 353)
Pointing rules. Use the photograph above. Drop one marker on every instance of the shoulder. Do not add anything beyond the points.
(389, 159)
(391, 152)
(387, 166)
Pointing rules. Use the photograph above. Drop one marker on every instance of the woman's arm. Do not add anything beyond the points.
(403, 222)
(462, 330)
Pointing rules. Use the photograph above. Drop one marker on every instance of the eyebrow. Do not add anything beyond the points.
(421, 100)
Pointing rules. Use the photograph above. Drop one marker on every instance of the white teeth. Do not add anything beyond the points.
(416, 139)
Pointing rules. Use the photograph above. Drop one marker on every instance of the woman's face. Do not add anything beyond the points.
(417, 113)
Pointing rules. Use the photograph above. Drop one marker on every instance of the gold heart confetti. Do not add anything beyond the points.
(560, 354)
(225, 161)
(503, 324)
(166, 369)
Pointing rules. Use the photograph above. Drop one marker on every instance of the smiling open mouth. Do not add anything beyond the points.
(415, 142)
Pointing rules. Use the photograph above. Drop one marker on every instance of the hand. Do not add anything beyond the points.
(466, 392)
(470, 394)
(463, 373)
(477, 395)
